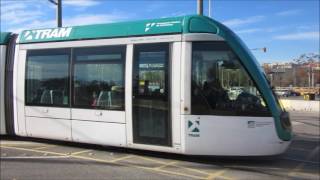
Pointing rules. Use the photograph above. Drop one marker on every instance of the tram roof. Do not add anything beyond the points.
(4, 38)
(173, 25)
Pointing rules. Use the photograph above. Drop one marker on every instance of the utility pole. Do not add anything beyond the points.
(59, 13)
(209, 8)
(200, 7)
(312, 77)
(58, 3)
(294, 75)
(309, 75)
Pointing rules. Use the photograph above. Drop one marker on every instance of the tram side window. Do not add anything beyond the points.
(47, 77)
(221, 85)
(98, 79)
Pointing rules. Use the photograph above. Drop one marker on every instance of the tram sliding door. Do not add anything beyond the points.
(98, 114)
(150, 101)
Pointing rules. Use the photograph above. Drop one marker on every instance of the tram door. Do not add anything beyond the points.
(150, 101)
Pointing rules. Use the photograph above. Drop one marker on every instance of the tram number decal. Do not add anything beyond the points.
(194, 128)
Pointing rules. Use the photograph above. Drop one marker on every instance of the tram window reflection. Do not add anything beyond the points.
(47, 77)
(220, 84)
(99, 78)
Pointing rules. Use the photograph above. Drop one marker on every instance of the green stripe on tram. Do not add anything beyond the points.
(175, 25)
(4, 38)
(99, 31)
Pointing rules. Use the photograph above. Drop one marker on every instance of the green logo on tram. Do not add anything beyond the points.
(154, 25)
(194, 128)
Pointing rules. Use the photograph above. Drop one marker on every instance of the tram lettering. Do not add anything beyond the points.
(54, 33)
(64, 32)
(37, 34)
(194, 135)
(47, 33)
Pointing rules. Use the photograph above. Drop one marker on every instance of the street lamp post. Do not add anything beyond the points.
(209, 8)
(58, 3)
(200, 7)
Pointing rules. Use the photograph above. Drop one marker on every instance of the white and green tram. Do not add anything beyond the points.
(183, 85)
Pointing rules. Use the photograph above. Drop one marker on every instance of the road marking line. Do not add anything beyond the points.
(90, 159)
(171, 172)
(44, 147)
(139, 167)
(80, 152)
(149, 159)
(300, 166)
(218, 174)
(34, 157)
(34, 150)
(190, 169)
(214, 175)
(225, 177)
(110, 162)
(165, 165)
(122, 158)
(18, 143)
(166, 174)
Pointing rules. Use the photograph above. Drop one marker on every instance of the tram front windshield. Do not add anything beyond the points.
(221, 85)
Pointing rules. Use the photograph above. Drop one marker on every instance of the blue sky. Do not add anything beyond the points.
(288, 28)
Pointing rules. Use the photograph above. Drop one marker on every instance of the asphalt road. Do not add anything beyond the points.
(38, 159)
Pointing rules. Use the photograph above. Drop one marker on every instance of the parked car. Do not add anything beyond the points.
(283, 93)
(294, 93)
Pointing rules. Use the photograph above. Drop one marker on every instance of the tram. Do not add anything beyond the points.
(184, 85)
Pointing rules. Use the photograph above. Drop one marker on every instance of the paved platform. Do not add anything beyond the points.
(300, 105)
(39, 159)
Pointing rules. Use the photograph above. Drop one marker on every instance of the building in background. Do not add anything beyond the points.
(302, 72)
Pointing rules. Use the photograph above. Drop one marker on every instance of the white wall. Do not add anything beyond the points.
(2, 73)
